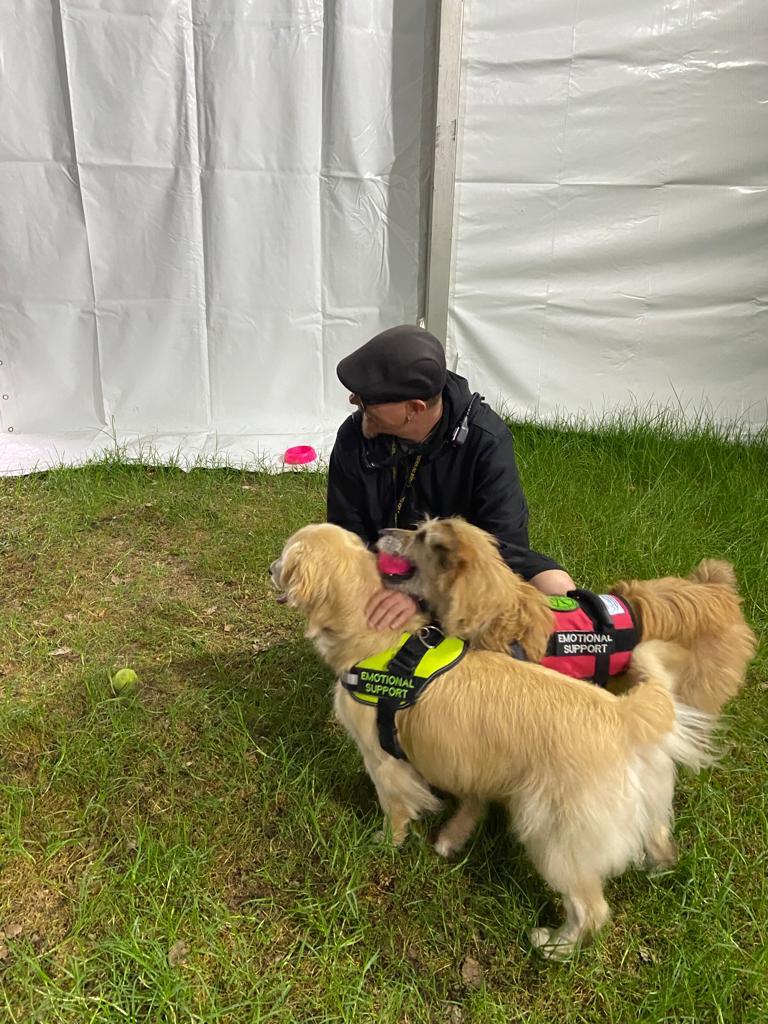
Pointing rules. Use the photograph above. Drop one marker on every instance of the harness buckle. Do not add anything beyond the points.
(426, 633)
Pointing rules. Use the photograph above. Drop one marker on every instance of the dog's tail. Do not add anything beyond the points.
(653, 716)
(713, 570)
(702, 618)
(684, 610)
(692, 741)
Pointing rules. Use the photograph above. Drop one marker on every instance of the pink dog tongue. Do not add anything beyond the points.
(393, 565)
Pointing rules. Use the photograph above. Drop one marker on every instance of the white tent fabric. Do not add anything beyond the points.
(204, 204)
(611, 217)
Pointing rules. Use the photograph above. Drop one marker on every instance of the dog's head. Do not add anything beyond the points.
(443, 553)
(319, 564)
(329, 575)
(469, 587)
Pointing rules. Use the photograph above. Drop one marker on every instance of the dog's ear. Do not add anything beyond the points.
(447, 547)
(303, 578)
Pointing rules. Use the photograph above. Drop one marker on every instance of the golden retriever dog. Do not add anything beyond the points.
(587, 778)
(475, 595)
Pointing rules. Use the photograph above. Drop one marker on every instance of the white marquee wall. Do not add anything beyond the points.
(611, 229)
(204, 204)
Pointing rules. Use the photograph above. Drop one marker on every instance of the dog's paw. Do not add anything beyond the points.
(661, 854)
(659, 867)
(444, 847)
(552, 945)
(450, 841)
(385, 837)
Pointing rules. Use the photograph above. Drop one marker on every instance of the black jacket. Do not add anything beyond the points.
(477, 480)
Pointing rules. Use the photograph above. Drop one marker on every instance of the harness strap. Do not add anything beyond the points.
(412, 651)
(602, 622)
(638, 633)
(387, 730)
(403, 663)
(518, 651)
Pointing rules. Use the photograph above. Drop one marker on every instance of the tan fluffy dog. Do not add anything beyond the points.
(474, 595)
(587, 777)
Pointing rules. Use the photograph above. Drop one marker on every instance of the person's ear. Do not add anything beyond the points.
(415, 406)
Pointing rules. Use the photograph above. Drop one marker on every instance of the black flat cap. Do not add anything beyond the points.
(401, 363)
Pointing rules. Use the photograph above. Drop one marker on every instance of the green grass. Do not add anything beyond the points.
(221, 808)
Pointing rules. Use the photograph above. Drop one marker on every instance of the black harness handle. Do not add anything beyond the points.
(603, 623)
(403, 663)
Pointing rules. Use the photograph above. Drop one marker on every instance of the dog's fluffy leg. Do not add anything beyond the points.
(575, 846)
(585, 913)
(653, 776)
(660, 849)
(457, 830)
(403, 794)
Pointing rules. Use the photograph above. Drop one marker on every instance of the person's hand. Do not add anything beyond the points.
(553, 581)
(390, 609)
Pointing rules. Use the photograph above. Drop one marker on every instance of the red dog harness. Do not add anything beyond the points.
(593, 637)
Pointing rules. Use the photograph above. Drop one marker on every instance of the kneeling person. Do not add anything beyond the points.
(421, 444)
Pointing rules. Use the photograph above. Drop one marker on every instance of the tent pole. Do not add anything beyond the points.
(440, 237)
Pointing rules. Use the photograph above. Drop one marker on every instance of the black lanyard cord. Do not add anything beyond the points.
(407, 486)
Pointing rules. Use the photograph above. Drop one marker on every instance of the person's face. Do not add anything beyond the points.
(391, 418)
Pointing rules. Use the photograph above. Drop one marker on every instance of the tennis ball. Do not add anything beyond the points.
(124, 681)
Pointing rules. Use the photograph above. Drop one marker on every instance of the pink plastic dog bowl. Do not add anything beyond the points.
(300, 455)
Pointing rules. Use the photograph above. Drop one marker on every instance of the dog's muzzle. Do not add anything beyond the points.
(275, 572)
(393, 541)
(392, 559)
